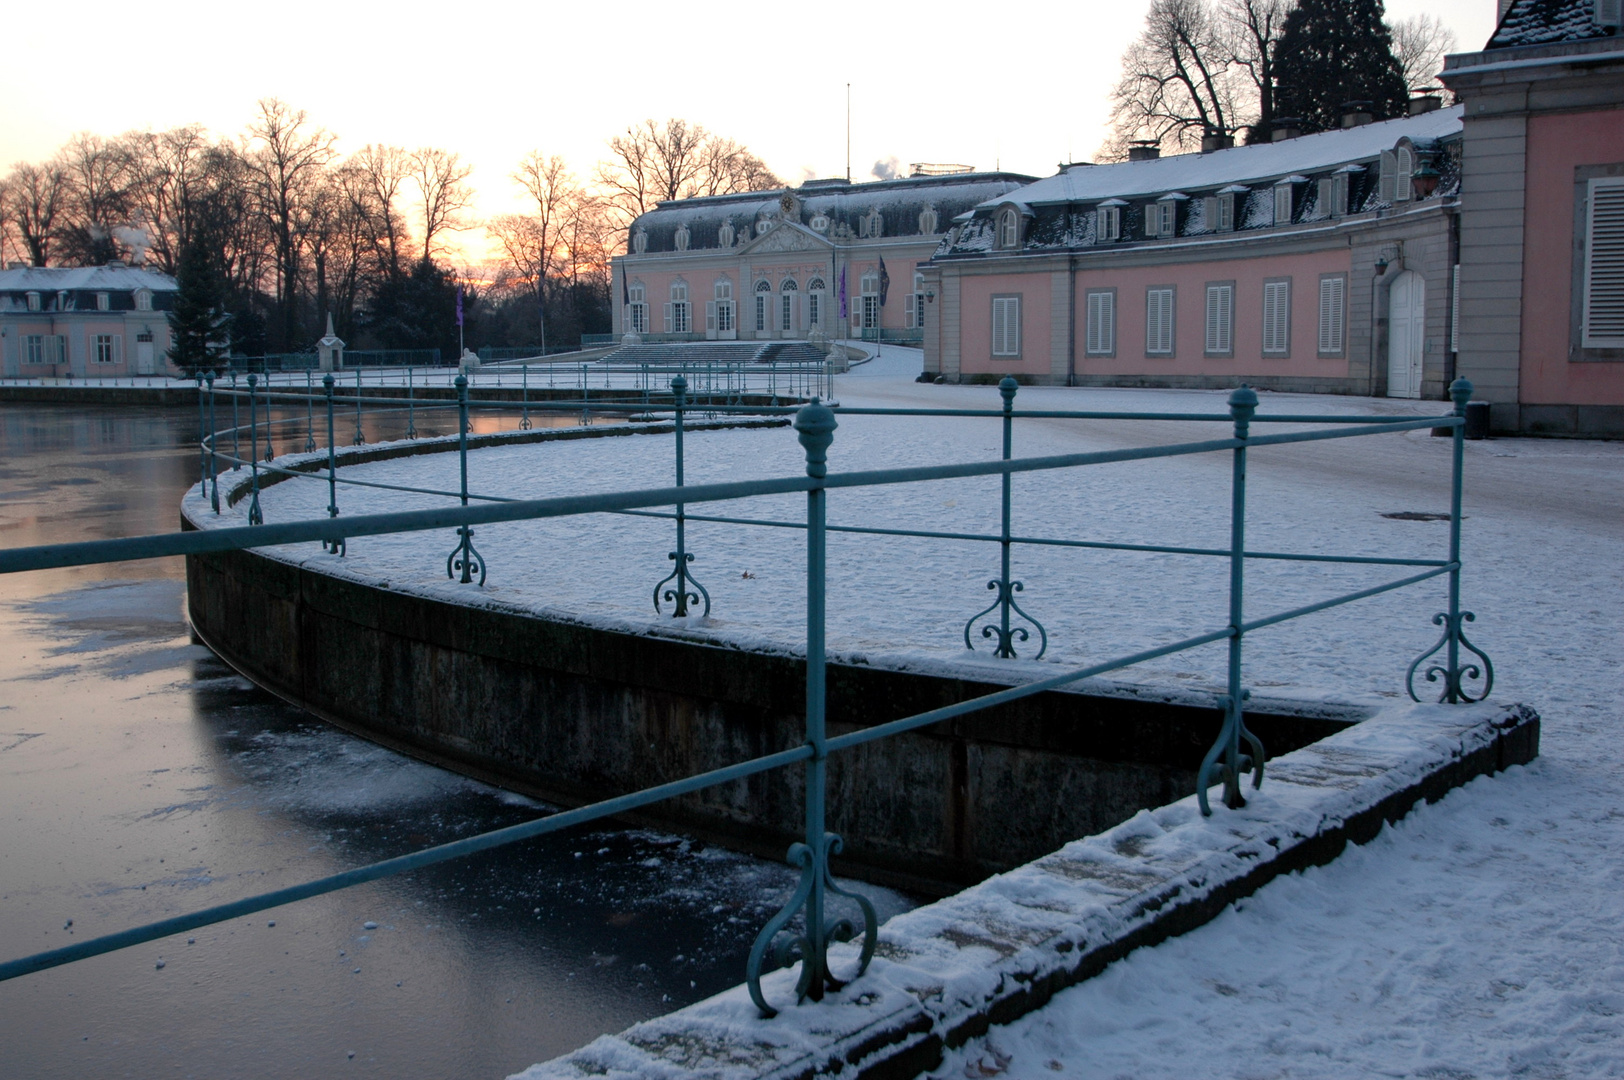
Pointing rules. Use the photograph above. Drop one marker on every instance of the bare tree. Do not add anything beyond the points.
(1177, 82)
(442, 186)
(285, 156)
(376, 182)
(1251, 30)
(655, 162)
(35, 197)
(99, 174)
(1421, 42)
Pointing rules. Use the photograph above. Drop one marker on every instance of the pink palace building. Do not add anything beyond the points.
(782, 264)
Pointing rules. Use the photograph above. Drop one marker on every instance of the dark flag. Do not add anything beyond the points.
(885, 281)
(625, 288)
(459, 305)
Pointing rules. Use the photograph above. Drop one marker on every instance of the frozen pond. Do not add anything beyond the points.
(140, 778)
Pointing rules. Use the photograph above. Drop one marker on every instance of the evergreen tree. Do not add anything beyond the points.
(1332, 52)
(198, 318)
(418, 310)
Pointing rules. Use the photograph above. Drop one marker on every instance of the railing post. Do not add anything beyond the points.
(1227, 750)
(255, 517)
(1454, 620)
(214, 461)
(269, 453)
(202, 440)
(411, 406)
(336, 546)
(815, 426)
(680, 594)
(236, 441)
(464, 559)
(524, 417)
(310, 415)
(360, 438)
(1004, 603)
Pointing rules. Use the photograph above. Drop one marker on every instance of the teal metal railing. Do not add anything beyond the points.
(804, 929)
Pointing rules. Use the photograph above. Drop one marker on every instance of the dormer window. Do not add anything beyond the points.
(680, 238)
(33, 301)
(724, 235)
(1220, 209)
(763, 225)
(928, 221)
(1162, 216)
(1405, 166)
(104, 302)
(1333, 195)
(143, 300)
(1108, 222)
(1285, 199)
(1009, 228)
(640, 241)
(872, 225)
(819, 222)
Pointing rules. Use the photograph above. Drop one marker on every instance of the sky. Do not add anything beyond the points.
(493, 79)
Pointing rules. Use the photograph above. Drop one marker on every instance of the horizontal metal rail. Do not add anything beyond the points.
(206, 541)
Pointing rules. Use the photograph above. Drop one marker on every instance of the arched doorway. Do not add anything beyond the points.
(1406, 334)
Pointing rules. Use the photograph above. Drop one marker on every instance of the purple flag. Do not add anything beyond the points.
(843, 292)
(459, 305)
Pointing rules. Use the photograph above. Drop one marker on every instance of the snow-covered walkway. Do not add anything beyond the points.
(1480, 937)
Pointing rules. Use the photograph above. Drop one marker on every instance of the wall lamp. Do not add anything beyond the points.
(930, 296)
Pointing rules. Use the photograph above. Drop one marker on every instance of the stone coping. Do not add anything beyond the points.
(945, 973)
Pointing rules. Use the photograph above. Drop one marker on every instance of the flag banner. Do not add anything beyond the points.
(843, 312)
(459, 305)
(885, 281)
(625, 288)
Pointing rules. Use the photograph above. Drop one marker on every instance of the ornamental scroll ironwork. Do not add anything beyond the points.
(1004, 602)
(779, 946)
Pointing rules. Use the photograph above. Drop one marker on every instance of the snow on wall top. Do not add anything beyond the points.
(1261, 164)
(100, 278)
(1544, 22)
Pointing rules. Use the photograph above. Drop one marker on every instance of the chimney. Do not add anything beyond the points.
(1357, 113)
(1425, 103)
(1144, 150)
(1285, 127)
(1215, 140)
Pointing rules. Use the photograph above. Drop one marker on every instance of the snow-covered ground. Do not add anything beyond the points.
(1479, 937)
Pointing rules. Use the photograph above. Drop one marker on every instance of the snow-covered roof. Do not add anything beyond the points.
(1544, 22)
(899, 203)
(117, 278)
(1261, 164)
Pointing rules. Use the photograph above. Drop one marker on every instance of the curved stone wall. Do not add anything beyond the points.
(572, 713)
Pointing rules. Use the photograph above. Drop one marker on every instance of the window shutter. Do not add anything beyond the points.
(1209, 212)
(1159, 321)
(1401, 177)
(1282, 204)
(1332, 298)
(1609, 13)
(1276, 311)
(668, 318)
(1385, 185)
(1219, 318)
(1107, 322)
(1604, 266)
(710, 315)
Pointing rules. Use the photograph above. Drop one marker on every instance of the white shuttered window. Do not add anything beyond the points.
(1332, 305)
(1100, 337)
(1604, 266)
(1006, 326)
(1276, 318)
(1220, 318)
(1159, 322)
